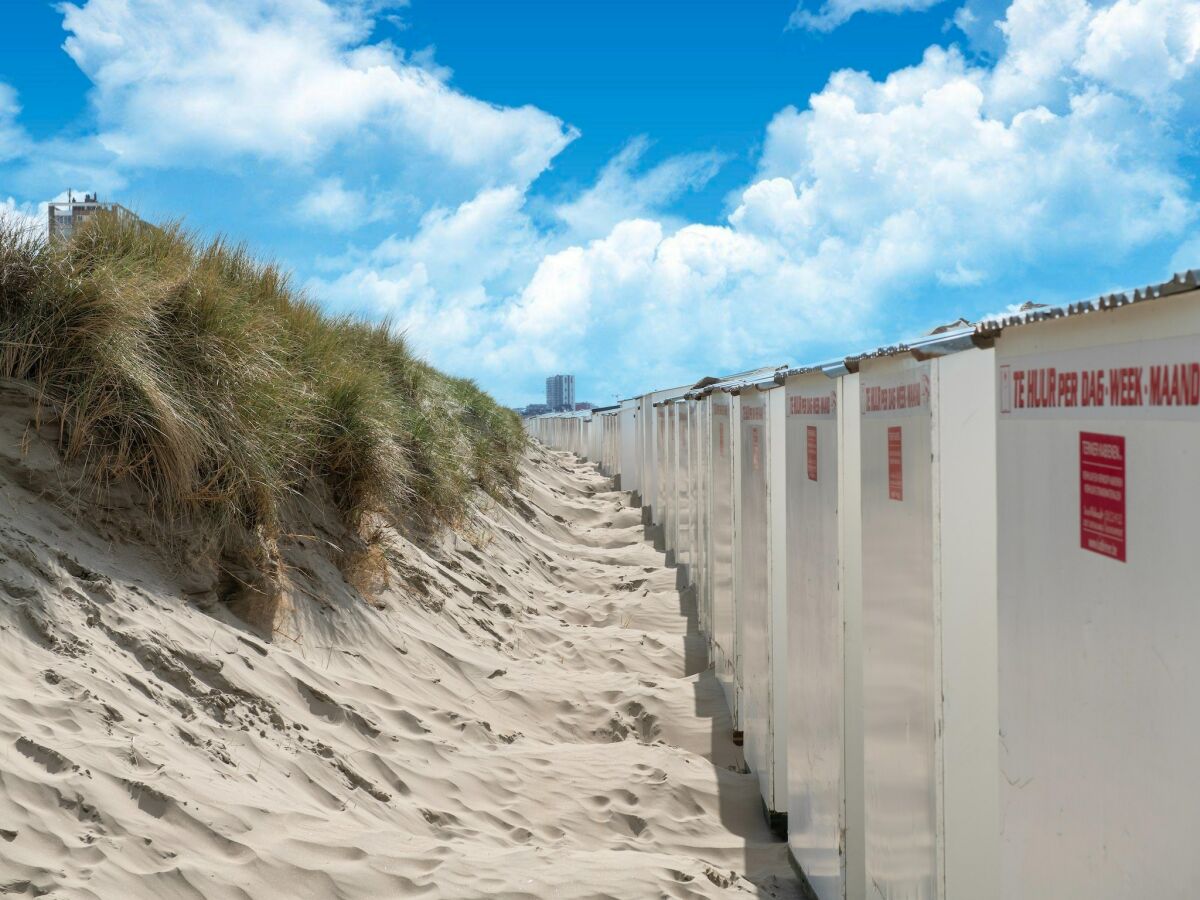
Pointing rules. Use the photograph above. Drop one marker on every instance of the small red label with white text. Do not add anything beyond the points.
(895, 451)
(1102, 494)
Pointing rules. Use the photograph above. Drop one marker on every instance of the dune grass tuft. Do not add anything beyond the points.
(207, 378)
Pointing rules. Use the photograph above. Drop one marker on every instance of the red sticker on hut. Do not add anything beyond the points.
(812, 452)
(1102, 494)
(895, 464)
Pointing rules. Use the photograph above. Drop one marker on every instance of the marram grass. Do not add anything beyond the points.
(206, 378)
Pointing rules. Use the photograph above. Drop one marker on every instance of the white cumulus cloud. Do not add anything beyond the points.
(1148, 48)
(982, 187)
(287, 81)
(480, 285)
(441, 285)
(23, 216)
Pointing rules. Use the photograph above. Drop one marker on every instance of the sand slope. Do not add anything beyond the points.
(520, 715)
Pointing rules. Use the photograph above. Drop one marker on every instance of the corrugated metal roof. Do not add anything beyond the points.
(963, 335)
(565, 414)
(1179, 284)
(742, 379)
(941, 344)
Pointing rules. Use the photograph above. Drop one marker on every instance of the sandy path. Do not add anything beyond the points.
(512, 717)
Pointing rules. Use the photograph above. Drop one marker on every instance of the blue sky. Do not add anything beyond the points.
(641, 193)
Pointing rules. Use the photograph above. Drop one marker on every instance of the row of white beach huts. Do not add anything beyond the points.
(952, 592)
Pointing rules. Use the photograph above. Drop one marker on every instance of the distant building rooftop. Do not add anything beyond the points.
(67, 215)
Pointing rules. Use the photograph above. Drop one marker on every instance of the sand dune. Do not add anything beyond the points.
(518, 712)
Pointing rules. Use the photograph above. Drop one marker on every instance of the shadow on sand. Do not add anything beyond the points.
(742, 812)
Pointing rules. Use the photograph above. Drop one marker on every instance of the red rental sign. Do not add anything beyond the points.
(1102, 494)
(895, 464)
(811, 435)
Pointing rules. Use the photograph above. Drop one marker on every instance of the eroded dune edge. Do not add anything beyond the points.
(516, 709)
